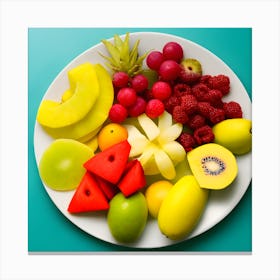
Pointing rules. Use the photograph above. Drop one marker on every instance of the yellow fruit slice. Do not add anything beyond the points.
(213, 166)
(86, 91)
(165, 164)
(96, 116)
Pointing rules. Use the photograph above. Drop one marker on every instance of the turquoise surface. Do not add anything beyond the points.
(49, 51)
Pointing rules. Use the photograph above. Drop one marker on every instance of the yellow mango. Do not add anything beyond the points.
(86, 91)
(98, 114)
(182, 208)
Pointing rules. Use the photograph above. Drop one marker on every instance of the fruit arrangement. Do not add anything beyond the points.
(121, 132)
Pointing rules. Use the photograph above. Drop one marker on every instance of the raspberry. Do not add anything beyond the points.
(189, 103)
(199, 91)
(216, 115)
(179, 114)
(205, 80)
(203, 135)
(220, 82)
(171, 102)
(187, 141)
(117, 113)
(204, 109)
(232, 110)
(214, 97)
(154, 108)
(196, 121)
(182, 89)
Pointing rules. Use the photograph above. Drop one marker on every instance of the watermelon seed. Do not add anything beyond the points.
(87, 192)
(111, 158)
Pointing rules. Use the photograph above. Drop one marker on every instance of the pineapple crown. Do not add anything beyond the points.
(122, 58)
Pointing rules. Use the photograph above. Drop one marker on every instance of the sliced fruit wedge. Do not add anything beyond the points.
(88, 197)
(170, 134)
(165, 164)
(137, 140)
(150, 128)
(175, 151)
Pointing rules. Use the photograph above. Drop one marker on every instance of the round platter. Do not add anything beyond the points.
(220, 203)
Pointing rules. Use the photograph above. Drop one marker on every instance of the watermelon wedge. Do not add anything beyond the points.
(133, 179)
(110, 163)
(108, 188)
(88, 197)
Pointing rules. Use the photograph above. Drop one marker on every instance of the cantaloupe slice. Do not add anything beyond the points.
(86, 90)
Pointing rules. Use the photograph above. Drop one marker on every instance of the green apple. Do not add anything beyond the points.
(234, 134)
(61, 165)
(127, 216)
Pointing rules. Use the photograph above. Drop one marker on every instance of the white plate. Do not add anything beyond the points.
(220, 203)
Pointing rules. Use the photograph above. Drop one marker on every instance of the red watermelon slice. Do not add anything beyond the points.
(108, 188)
(88, 197)
(110, 163)
(133, 179)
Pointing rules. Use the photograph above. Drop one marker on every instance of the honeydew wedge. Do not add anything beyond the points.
(86, 91)
(92, 122)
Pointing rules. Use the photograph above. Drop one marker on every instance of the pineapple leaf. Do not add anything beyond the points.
(124, 53)
(113, 51)
(118, 42)
(134, 53)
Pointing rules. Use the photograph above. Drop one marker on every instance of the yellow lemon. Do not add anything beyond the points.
(110, 135)
(155, 194)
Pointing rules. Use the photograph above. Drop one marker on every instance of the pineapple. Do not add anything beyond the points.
(122, 58)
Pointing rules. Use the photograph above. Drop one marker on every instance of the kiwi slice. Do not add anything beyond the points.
(213, 166)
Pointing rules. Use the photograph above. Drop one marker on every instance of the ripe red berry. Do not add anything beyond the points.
(154, 60)
(220, 82)
(161, 90)
(203, 135)
(187, 141)
(117, 113)
(233, 110)
(216, 115)
(169, 70)
(173, 51)
(200, 91)
(196, 121)
(154, 108)
(182, 89)
(171, 102)
(138, 108)
(120, 79)
(179, 114)
(127, 96)
(189, 103)
(139, 83)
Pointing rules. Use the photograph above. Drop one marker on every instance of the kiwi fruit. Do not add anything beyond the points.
(214, 166)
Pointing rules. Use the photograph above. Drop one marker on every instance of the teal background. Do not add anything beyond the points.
(49, 51)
